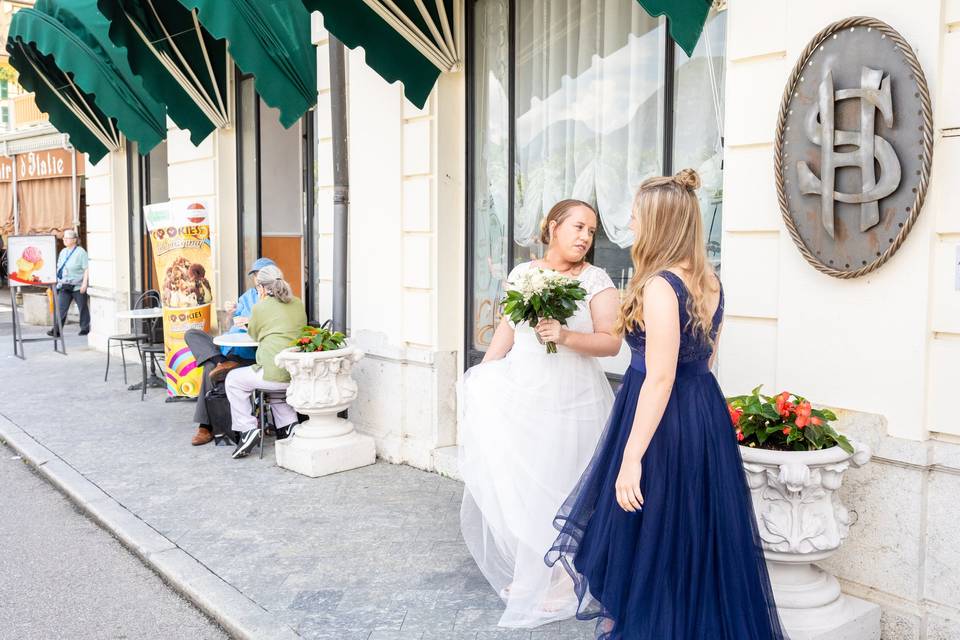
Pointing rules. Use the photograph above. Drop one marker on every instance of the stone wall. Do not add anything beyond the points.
(903, 551)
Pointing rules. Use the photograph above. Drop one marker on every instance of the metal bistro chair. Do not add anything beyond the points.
(153, 345)
(127, 340)
(263, 399)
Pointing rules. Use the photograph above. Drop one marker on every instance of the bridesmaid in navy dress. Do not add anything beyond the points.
(659, 534)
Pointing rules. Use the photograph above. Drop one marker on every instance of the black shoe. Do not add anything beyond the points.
(53, 333)
(247, 443)
(84, 332)
(285, 432)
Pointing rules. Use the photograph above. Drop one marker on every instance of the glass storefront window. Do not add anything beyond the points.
(248, 128)
(698, 120)
(589, 114)
(490, 166)
(147, 184)
(587, 98)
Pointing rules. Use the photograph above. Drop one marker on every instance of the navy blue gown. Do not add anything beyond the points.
(689, 566)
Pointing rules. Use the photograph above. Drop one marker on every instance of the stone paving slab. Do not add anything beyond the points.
(370, 554)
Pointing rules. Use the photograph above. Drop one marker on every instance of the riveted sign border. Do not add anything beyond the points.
(780, 167)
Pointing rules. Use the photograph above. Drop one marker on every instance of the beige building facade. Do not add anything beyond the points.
(442, 200)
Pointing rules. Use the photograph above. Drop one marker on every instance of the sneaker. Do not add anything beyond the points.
(84, 332)
(247, 443)
(285, 432)
(53, 333)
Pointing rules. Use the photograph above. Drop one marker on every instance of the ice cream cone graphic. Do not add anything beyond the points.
(30, 261)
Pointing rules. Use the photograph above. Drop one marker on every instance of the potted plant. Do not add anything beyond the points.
(320, 362)
(795, 461)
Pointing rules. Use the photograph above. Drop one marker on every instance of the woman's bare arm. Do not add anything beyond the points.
(662, 326)
(502, 342)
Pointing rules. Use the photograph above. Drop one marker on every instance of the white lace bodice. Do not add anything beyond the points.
(593, 279)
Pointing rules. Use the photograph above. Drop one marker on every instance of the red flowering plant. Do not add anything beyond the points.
(785, 422)
(313, 339)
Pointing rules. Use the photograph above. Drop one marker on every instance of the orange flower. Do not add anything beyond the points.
(740, 436)
(734, 414)
(786, 431)
(815, 421)
(784, 406)
(802, 421)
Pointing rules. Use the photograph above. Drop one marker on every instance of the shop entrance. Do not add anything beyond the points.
(275, 190)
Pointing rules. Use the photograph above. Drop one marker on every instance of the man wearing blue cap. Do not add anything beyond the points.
(218, 361)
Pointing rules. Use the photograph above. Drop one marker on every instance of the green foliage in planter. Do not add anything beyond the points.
(312, 339)
(785, 422)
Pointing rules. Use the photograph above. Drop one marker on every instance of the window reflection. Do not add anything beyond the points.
(589, 124)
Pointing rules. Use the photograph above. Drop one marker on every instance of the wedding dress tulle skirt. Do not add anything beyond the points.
(529, 426)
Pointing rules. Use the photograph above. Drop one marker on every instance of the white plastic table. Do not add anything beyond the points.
(140, 314)
(235, 340)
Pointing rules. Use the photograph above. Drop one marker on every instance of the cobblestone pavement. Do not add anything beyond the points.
(370, 554)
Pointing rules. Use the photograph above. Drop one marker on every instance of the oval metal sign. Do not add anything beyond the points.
(854, 147)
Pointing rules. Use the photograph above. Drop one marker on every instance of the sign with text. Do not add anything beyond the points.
(182, 255)
(37, 165)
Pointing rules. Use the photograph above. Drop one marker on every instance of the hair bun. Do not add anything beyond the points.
(688, 179)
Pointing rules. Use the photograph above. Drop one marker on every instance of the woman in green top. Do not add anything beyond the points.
(275, 322)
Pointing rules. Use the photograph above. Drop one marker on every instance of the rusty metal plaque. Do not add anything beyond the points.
(854, 147)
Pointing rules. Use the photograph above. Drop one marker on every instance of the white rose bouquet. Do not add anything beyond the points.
(538, 295)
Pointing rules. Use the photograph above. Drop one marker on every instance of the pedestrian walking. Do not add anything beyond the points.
(72, 278)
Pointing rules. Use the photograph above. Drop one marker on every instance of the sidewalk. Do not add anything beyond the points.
(371, 554)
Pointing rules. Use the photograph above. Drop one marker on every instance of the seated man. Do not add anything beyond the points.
(218, 361)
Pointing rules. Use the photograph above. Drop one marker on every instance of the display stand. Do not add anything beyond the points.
(59, 342)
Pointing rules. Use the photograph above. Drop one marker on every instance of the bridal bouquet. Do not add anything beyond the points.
(539, 295)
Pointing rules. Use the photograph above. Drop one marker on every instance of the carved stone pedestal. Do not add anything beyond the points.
(801, 522)
(321, 387)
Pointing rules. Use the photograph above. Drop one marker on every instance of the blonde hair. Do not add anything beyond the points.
(271, 279)
(670, 234)
(558, 213)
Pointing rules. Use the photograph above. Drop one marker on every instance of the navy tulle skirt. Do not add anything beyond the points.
(689, 566)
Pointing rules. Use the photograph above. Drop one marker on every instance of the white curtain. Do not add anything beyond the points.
(589, 109)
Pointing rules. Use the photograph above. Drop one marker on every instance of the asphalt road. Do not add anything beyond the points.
(62, 576)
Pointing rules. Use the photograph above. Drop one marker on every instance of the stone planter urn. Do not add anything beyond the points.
(321, 387)
(801, 522)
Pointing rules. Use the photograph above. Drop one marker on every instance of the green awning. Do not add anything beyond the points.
(401, 41)
(63, 54)
(269, 39)
(176, 58)
(686, 19)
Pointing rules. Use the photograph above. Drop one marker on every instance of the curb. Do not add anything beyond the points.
(239, 616)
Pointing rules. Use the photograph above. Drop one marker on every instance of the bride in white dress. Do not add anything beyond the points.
(529, 425)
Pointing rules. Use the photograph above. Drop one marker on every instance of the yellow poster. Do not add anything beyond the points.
(180, 237)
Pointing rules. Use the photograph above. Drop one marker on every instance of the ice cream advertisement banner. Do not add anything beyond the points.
(32, 260)
(180, 237)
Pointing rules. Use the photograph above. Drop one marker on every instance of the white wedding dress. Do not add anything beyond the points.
(529, 425)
